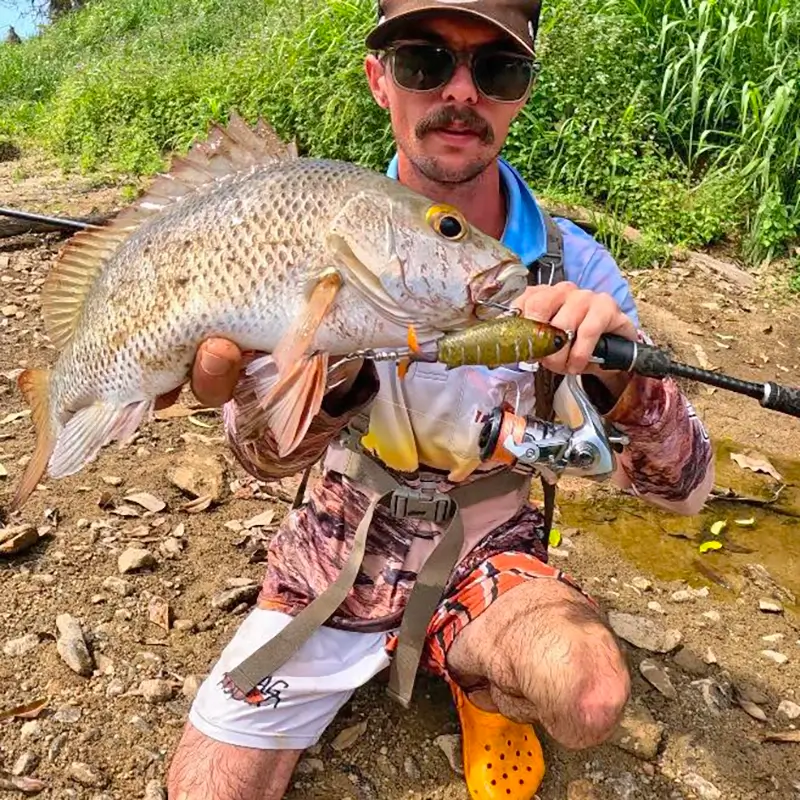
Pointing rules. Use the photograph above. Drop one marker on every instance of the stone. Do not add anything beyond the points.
(638, 733)
(25, 764)
(717, 696)
(713, 615)
(682, 596)
(581, 789)
(775, 656)
(87, 775)
(705, 789)
(72, 647)
(709, 656)
(689, 662)
(770, 606)
(644, 633)
(200, 475)
(14, 648)
(154, 791)
(759, 575)
(654, 605)
(347, 737)
(411, 768)
(30, 730)
(115, 688)
(155, 690)
(450, 745)
(57, 745)
(643, 584)
(135, 558)
(184, 625)
(117, 585)
(752, 693)
(308, 766)
(230, 598)
(67, 715)
(657, 677)
(191, 686)
(788, 709)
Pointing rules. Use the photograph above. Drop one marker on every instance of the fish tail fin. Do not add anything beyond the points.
(35, 387)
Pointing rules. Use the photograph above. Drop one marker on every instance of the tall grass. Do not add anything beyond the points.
(679, 116)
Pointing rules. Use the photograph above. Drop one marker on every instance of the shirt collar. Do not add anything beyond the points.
(524, 232)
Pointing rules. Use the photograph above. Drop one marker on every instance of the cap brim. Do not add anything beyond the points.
(381, 34)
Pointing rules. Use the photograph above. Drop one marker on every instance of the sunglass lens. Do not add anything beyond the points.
(503, 76)
(421, 67)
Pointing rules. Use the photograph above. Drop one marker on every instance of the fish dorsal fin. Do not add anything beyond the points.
(226, 152)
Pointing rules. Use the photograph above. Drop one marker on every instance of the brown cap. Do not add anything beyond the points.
(517, 18)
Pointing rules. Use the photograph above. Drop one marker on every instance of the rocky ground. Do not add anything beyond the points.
(122, 584)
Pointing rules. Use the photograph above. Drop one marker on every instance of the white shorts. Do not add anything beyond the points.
(302, 699)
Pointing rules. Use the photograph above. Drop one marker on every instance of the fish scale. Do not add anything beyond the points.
(303, 260)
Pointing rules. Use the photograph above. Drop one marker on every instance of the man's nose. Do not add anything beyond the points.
(461, 88)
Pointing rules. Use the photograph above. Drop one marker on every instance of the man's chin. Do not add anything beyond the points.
(459, 168)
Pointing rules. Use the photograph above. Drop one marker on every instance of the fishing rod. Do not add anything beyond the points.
(56, 222)
(615, 353)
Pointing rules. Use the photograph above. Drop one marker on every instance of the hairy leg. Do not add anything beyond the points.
(549, 658)
(204, 769)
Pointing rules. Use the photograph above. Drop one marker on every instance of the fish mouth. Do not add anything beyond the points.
(498, 287)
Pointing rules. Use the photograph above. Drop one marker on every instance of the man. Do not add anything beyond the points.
(517, 640)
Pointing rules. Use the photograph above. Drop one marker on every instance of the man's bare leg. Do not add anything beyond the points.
(549, 659)
(204, 769)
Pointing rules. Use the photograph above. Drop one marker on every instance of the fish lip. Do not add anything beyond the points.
(501, 284)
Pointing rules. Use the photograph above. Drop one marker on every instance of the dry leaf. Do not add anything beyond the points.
(718, 527)
(17, 538)
(147, 500)
(756, 463)
(21, 783)
(125, 511)
(262, 519)
(175, 412)
(783, 736)
(199, 423)
(198, 505)
(158, 612)
(702, 358)
(26, 710)
(14, 416)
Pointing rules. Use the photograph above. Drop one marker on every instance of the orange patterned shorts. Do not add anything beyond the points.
(469, 598)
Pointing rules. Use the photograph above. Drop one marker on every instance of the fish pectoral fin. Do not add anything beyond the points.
(298, 340)
(35, 386)
(89, 429)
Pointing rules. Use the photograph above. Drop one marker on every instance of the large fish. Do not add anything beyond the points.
(299, 258)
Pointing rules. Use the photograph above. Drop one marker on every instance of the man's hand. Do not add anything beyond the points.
(588, 315)
(214, 374)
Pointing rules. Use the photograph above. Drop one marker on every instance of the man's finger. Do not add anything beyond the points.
(542, 302)
(216, 371)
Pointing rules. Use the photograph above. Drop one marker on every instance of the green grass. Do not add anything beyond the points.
(680, 117)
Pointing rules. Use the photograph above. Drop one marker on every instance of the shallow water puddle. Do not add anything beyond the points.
(666, 545)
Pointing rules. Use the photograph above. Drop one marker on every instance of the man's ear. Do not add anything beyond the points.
(376, 76)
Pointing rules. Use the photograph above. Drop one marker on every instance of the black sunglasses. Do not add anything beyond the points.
(501, 75)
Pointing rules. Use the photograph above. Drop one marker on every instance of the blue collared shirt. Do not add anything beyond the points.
(586, 262)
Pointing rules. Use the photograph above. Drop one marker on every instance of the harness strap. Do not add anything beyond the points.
(440, 508)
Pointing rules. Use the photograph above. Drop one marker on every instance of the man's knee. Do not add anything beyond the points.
(550, 659)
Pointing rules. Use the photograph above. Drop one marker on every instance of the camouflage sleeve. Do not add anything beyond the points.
(260, 457)
(669, 461)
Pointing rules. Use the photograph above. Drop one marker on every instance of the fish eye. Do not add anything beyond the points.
(447, 222)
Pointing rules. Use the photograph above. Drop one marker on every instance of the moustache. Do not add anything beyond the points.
(445, 116)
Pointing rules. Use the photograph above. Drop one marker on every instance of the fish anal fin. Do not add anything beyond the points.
(225, 152)
(285, 406)
(89, 429)
(35, 386)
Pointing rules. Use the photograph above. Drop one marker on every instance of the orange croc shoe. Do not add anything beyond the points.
(502, 759)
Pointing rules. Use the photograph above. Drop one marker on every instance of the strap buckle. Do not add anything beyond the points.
(429, 505)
